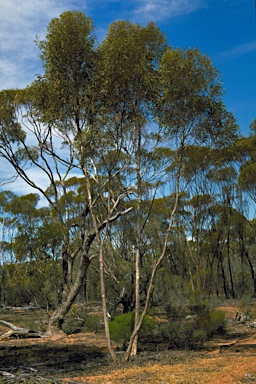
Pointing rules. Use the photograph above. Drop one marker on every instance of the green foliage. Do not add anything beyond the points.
(211, 323)
(86, 322)
(173, 311)
(10, 129)
(37, 282)
(196, 303)
(182, 335)
(93, 323)
(79, 319)
(194, 101)
(191, 332)
(131, 55)
(68, 56)
(122, 326)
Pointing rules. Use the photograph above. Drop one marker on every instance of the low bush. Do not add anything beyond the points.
(78, 319)
(182, 335)
(192, 332)
(93, 323)
(196, 303)
(211, 322)
(122, 326)
(173, 311)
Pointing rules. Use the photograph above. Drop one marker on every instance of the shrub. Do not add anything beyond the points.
(93, 323)
(196, 302)
(211, 322)
(192, 333)
(173, 311)
(122, 326)
(78, 319)
(182, 335)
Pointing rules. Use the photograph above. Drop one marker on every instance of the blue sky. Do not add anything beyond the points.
(225, 30)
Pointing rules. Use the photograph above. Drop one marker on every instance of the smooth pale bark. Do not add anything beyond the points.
(138, 243)
(101, 262)
(111, 216)
(155, 266)
(104, 305)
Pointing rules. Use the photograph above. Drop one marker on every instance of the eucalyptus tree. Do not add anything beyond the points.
(131, 55)
(210, 174)
(8, 227)
(54, 126)
(246, 157)
(118, 118)
(194, 120)
(191, 108)
(7, 232)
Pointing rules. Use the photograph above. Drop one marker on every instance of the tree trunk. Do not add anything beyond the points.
(251, 270)
(104, 306)
(224, 280)
(154, 269)
(57, 318)
(138, 242)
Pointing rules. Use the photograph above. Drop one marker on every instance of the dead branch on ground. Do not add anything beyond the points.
(19, 332)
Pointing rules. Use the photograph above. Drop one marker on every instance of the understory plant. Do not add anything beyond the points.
(122, 326)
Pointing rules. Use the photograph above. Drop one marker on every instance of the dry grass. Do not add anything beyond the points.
(214, 370)
(83, 358)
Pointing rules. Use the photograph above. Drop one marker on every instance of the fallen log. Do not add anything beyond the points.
(19, 332)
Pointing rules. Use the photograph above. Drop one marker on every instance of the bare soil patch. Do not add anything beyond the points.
(83, 358)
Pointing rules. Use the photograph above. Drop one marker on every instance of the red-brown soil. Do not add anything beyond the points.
(83, 358)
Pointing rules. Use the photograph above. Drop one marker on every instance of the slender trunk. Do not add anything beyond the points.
(138, 245)
(244, 251)
(189, 266)
(229, 267)
(228, 251)
(211, 279)
(251, 270)
(155, 266)
(2, 284)
(101, 262)
(104, 306)
(223, 277)
(198, 266)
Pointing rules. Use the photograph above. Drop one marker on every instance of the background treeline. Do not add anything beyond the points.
(150, 185)
(211, 248)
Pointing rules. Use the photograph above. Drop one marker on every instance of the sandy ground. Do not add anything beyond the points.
(83, 358)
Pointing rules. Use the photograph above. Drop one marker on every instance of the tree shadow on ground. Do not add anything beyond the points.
(49, 361)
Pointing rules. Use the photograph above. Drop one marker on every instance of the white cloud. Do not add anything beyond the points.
(240, 50)
(163, 9)
(21, 21)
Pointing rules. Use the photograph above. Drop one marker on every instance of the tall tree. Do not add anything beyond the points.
(59, 112)
(131, 55)
(246, 157)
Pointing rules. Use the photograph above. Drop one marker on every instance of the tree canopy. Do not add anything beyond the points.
(147, 173)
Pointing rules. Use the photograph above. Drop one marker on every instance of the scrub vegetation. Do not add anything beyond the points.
(147, 210)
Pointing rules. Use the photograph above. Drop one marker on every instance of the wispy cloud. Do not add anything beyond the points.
(162, 9)
(240, 50)
(21, 21)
